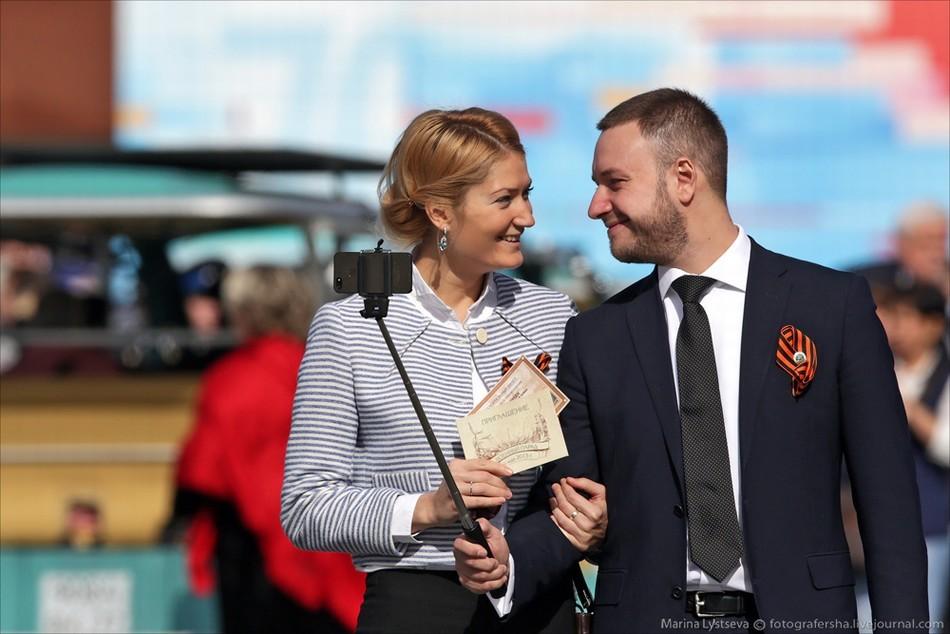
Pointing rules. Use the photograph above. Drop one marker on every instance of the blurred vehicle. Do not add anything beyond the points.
(99, 365)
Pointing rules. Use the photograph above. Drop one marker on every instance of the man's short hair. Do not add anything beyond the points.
(680, 124)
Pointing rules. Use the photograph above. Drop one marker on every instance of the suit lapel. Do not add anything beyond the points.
(765, 299)
(647, 324)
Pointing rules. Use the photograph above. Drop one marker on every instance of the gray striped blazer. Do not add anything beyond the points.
(356, 444)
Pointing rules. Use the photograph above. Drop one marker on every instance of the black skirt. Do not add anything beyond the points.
(250, 603)
(423, 601)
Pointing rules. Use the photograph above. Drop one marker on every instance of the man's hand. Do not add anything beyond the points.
(478, 572)
(579, 508)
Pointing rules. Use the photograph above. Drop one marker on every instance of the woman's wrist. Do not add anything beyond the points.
(423, 516)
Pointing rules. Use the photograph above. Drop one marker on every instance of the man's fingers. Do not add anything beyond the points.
(562, 502)
(567, 507)
(567, 535)
(491, 532)
(579, 502)
(496, 540)
(482, 588)
(467, 549)
(567, 525)
(488, 528)
(486, 565)
(584, 523)
(486, 576)
(588, 486)
(477, 564)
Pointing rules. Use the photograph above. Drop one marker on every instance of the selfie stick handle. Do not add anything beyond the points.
(469, 526)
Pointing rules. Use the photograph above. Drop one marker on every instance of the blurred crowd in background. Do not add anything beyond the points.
(912, 293)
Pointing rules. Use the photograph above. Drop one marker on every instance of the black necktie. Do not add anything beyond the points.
(715, 541)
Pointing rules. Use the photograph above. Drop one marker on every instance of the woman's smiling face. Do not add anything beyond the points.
(486, 234)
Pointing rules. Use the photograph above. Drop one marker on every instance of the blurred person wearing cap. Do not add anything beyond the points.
(201, 289)
(232, 463)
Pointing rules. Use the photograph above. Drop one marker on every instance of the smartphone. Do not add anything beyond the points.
(372, 273)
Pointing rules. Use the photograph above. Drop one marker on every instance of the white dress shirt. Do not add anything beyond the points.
(724, 304)
(430, 305)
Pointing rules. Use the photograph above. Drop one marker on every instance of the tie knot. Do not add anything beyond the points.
(690, 288)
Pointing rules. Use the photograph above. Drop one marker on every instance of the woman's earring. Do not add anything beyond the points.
(444, 240)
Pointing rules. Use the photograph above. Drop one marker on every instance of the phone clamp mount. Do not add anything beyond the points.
(376, 304)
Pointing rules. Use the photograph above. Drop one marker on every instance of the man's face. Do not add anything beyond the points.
(631, 199)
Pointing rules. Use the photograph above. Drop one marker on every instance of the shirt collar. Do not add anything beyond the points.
(433, 306)
(730, 269)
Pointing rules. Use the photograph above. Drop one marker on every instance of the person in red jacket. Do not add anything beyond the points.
(232, 464)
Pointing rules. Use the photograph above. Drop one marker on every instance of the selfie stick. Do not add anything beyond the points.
(377, 306)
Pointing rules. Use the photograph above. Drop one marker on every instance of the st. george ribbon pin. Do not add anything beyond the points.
(797, 355)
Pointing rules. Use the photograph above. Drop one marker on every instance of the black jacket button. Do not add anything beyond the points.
(678, 511)
(677, 592)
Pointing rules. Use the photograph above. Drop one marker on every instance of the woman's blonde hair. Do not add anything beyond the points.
(438, 158)
(268, 299)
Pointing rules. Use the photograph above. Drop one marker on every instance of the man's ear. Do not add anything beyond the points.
(686, 177)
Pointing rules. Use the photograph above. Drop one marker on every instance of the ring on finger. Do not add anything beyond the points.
(471, 488)
(573, 514)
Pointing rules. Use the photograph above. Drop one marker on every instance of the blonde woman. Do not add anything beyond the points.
(359, 475)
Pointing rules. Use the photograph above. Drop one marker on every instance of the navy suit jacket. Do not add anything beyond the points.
(622, 428)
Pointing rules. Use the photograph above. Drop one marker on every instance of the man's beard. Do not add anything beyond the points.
(657, 240)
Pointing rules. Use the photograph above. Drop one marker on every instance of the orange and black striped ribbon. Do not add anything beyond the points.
(542, 362)
(797, 355)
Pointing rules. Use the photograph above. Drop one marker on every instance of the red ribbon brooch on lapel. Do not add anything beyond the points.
(798, 356)
(542, 362)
